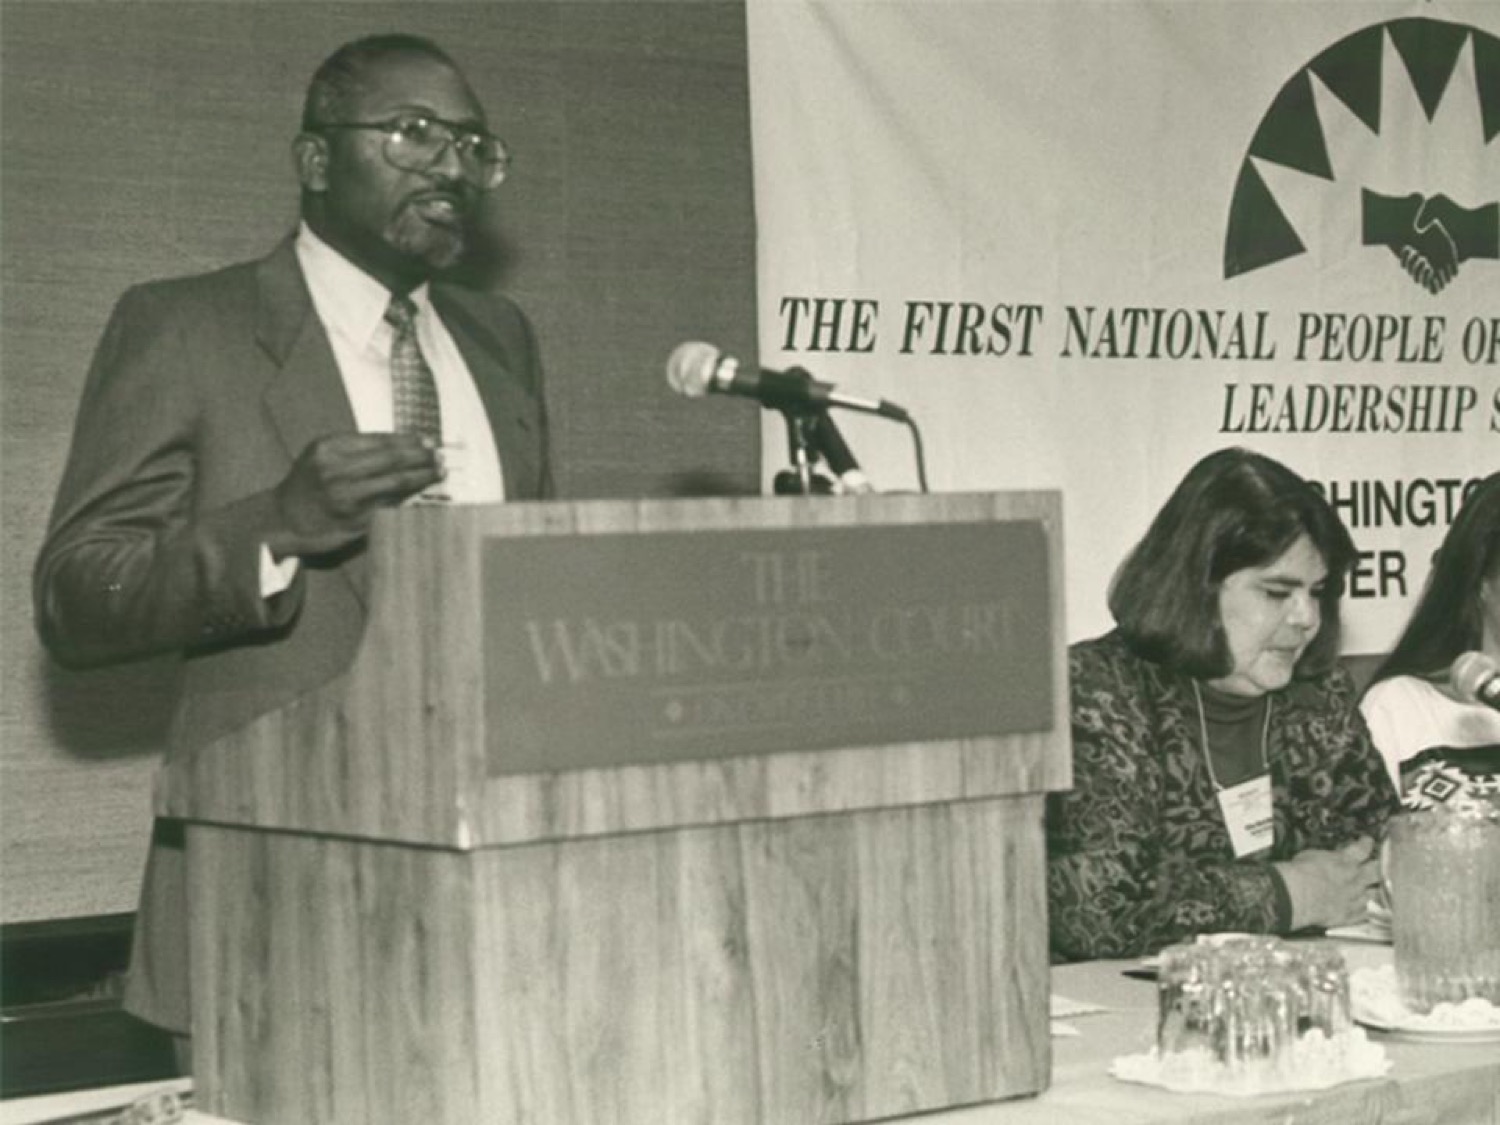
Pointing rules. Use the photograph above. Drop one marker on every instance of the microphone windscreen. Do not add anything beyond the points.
(1471, 675)
(690, 369)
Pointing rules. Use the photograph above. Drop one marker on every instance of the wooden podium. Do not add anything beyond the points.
(711, 811)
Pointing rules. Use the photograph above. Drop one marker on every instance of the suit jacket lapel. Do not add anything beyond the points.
(496, 375)
(306, 399)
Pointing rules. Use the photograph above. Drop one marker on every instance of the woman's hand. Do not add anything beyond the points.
(1331, 888)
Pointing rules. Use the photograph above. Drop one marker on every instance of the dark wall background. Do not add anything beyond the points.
(151, 139)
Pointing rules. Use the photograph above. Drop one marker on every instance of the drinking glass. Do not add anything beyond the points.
(1239, 999)
(1186, 980)
(1325, 991)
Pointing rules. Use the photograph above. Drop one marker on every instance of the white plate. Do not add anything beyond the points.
(1427, 1034)
(1374, 1003)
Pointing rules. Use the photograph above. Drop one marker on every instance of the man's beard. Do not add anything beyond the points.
(437, 245)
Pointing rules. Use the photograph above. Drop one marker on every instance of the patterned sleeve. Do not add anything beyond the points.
(1338, 773)
(1114, 890)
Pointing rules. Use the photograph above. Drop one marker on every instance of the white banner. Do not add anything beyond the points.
(1086, 243)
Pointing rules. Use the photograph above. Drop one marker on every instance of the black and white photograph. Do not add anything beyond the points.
(749, 562)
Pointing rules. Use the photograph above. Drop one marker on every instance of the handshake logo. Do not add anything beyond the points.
(1432, 236)
(1287, 197)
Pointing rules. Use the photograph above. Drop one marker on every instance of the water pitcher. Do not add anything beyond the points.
(1442, 871)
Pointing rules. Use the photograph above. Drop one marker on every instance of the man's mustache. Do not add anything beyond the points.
(460, 200)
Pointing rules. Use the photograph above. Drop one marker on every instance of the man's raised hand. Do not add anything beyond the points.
(340, 481)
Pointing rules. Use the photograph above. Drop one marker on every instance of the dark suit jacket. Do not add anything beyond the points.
(201, 395)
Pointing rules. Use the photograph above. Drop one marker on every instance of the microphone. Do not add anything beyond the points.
(1475, 678)
(696, 369)
(830, 443)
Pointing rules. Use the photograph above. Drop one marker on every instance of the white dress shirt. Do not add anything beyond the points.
(351, 306)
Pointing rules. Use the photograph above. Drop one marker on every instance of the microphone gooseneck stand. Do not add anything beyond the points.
(805, 445)
(801, 433)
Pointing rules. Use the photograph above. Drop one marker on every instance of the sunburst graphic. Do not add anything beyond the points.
(1385, 143)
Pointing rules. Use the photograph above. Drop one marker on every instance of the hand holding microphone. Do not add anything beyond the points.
(1475, 678)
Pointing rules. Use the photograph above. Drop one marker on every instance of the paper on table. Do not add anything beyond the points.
(1360, 931)
(1376, 926)
(1064, 1007)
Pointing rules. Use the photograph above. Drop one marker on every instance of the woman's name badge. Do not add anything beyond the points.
(1247, 814)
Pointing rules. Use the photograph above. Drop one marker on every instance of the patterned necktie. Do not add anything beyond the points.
(414, 400)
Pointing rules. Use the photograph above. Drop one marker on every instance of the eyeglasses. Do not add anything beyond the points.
(415, 142)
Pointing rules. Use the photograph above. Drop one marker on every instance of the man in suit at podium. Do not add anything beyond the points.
(238, 430)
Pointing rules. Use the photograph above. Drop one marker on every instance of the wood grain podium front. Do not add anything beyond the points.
(669, 811)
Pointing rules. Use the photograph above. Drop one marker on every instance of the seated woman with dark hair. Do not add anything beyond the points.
(1223, 777)
(1437, 743)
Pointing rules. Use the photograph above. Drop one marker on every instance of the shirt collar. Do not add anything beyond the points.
(349, 301)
